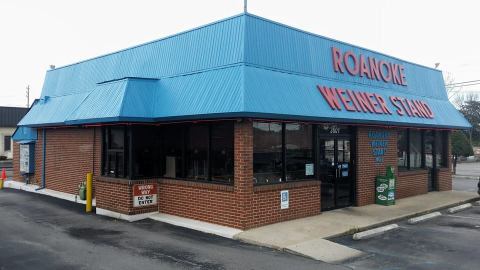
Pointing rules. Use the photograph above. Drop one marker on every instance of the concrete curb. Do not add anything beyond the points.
(52, 193)
(206, 227)
(374, 232)
(426, 217)
(459, 208)
(465, 177)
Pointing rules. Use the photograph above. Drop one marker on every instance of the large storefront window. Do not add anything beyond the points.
(402, 149)
(299, 151)
(199, 152)
(222, 152)
(172, 158)
(441, 149)
(282, 152)
(429, 140)
(115, 151)
(415, 149)
(423, 149)
(196, 152)
(145, 152)
(267, 152)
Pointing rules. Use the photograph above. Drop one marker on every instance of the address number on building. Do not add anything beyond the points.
(144, 195)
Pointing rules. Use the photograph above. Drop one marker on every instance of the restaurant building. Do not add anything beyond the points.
(242, 122)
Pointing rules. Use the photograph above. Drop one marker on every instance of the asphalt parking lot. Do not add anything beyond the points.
(451, 241)
(39, 232)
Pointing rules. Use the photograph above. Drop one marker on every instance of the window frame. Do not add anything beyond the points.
(444, 141)
(125, 151)
(128, 152)
(284, 153)
(5, 144)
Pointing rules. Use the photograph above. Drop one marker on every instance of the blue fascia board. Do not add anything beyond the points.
(24, 133)
(252, 115)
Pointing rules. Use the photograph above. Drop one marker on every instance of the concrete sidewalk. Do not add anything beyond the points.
(307, 236)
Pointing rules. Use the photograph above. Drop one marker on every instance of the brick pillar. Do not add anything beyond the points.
(243, 187)
(37, 176)
(16, 162)
(444, 175)
(367, 168)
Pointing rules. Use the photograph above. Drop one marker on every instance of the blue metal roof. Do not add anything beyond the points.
(241, 66)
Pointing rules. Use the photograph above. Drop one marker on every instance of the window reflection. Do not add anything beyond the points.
(299, 151)
(267, 152)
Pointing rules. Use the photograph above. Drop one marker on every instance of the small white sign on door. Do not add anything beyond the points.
(284, 199)
(309, 169)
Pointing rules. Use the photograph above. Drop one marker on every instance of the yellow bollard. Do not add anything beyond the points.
(88, 208)
(1, 183)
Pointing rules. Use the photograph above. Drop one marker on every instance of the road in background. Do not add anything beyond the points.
(467, 177)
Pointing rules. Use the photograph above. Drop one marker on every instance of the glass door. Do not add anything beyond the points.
(327, 172)
(343, 179)
(335, 171)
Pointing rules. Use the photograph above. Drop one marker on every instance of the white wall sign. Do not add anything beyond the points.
(284, 199)
(25, 158)
(144, 195)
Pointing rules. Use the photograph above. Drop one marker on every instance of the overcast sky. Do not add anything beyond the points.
(35, 34)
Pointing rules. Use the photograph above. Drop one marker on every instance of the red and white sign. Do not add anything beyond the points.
(144, 195)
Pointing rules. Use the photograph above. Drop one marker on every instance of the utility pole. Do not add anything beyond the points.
(245, 6)
(28, 96)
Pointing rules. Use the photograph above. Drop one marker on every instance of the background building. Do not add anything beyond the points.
(9, 118)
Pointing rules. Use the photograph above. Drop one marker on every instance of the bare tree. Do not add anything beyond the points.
(453, 91)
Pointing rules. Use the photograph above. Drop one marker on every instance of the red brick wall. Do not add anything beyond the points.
(117, 195)
(444, 175)
(367, 168)
(201, 201)
(411, 183)
(37, 176)
(70, 154)
(225, 205)
(444, 178)
(69, 158)
(304, 201)
(16, 162)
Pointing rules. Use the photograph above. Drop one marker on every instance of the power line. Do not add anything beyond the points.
(453, 84)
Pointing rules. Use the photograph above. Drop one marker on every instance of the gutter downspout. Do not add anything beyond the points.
(44, 135)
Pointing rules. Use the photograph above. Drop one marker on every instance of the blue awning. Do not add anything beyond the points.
(24, 134)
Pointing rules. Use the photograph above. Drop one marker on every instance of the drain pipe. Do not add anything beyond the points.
(44, 133)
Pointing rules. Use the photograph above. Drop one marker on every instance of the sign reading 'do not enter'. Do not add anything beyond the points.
(144, 195)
